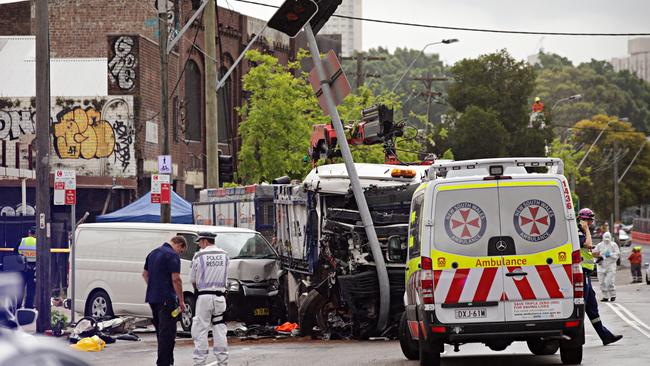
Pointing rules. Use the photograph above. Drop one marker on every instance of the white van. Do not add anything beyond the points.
(110, 260)
(493, 257)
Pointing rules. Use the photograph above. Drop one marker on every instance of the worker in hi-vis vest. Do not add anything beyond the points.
(27, 249)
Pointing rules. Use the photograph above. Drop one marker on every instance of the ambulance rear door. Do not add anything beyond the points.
(468, 282)
(536, 249)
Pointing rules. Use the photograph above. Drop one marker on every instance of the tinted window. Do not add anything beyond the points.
(192, 246)
(414, 226)
(244, 245)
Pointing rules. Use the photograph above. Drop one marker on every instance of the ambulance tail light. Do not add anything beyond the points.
(426, 280)
(578, 278)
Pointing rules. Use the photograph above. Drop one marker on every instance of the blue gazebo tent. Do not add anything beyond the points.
(143, 210)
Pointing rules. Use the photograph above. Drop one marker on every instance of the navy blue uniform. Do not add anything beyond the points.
(160, 264)
(591, 303)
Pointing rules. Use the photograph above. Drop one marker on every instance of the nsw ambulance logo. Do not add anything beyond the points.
(534, 220)
(465, 223)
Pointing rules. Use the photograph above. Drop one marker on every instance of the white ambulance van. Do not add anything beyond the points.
(493, 257)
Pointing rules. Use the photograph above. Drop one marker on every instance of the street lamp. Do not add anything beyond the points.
(445, 41)
(573, 98)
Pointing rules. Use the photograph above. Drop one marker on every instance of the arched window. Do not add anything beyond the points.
(193, 102)
(224, 97)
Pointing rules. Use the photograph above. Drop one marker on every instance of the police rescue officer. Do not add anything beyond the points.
(27, 248)
(164, 294)
(209, 274)
(585, 220)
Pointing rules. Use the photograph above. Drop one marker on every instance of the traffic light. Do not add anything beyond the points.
(292, 16)
(325, 10)
(226, 169)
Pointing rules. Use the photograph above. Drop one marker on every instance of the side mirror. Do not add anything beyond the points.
(26, 316)
(396, 249)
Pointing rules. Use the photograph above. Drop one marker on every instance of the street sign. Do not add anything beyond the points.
(339, 84)
(160, 188)
(65, 187)
(164, 164)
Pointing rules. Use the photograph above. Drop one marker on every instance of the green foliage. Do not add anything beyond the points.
(471, 128)
(448, 155)
(57, 316)
(571, 159)
(276, 121)
(619, 143)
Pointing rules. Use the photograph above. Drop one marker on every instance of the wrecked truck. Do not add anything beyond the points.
(331, 284)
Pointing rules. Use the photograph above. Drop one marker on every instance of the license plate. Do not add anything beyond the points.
(471, 313)
(261, 311)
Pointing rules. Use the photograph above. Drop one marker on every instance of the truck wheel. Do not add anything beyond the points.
(186, 317)
(539, 348)
(409, 346)
(647, 279)
(99, 305)
(429, 354)
(571, 356)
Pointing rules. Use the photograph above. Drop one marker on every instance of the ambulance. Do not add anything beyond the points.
(493, 258)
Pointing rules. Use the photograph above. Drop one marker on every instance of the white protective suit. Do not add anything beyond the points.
(610, 253)
(209, 273)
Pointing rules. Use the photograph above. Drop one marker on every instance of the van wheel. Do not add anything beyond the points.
(409, 346)
(539, 348)
(188, 314)
(429, 354)
(99, 305)
(571, 356)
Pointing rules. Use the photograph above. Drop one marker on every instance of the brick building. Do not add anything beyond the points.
(116, 156)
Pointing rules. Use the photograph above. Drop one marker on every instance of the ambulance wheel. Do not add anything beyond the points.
(99, 305)
(429, 354)
(409, 346)
(188, 314)
(571, 356)
(539, 348)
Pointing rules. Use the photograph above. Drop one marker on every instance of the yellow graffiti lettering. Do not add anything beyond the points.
(81, 133)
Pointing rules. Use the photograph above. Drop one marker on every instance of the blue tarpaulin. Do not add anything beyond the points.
(143, 210)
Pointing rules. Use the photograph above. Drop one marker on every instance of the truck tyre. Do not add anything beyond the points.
(429, 354)
(571, 356)
(308, 310)
(188, 315)
(99, 305)
(540, 348)
(409, 346)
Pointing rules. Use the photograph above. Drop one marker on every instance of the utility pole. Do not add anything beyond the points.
(43, 285)
(165, 209)
(360, 58)
(211, 105)
(617, 209)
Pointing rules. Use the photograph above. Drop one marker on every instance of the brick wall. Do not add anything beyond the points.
(15, 19)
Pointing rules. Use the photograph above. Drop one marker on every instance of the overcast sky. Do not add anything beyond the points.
(590, 16)
(597, 16)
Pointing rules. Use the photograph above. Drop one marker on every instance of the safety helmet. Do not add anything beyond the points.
(586, 214)
(537, 99)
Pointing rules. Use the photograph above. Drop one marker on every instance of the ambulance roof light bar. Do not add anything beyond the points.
(555, 165)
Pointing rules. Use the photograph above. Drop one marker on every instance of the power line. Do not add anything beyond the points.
(466, 29)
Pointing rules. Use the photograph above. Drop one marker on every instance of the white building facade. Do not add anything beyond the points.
(638, 60)
(349, 29)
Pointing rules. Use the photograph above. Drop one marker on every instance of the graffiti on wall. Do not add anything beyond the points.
(94, 136)
(15, 123)
(123, 64)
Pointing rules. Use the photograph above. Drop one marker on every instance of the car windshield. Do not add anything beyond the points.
(244, 245)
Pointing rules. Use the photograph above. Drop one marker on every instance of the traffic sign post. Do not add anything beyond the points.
(65, 193)
(164, 164)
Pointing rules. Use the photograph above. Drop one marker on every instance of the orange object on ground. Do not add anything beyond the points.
(286, 327)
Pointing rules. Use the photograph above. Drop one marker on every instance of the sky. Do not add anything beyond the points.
(585, 16)
(590, 16)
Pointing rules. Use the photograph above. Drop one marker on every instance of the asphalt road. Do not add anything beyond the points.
(628, 316)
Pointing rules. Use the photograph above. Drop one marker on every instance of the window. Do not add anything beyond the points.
(193, 102)
(414, 227)
(244, 245)
(224, 96)
(192, 246)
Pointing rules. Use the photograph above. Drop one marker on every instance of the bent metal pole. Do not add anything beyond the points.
(382, 274)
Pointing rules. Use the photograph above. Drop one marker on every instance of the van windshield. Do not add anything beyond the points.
(244, 245)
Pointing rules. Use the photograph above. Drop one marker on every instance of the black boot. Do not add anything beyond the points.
(613, 339)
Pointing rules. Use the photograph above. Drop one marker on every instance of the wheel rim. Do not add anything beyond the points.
(186, 317)
(99, 307)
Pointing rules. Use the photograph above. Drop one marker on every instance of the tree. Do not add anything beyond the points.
(571, 159)
(473, 126)
(276, 121)
(495, 86)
